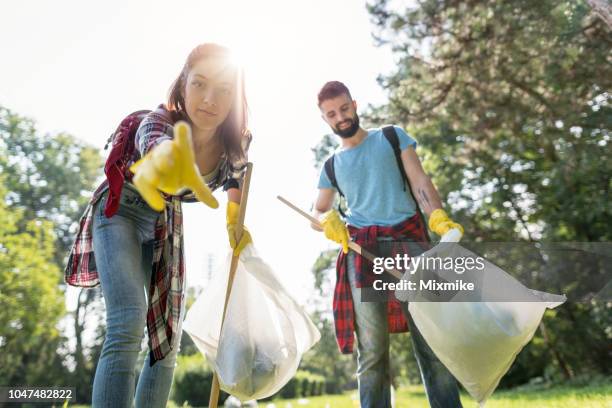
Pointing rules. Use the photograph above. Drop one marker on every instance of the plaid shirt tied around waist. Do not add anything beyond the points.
(344, 314)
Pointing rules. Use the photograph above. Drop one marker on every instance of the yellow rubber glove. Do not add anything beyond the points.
(233, 211)
(335, 229)
(440, 223)
(170, 167)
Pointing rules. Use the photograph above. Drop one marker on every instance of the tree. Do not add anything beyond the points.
(49, 178)
(31, 304)
(510, 104)
(326, 360)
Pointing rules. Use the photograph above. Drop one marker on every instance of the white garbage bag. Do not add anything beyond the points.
(479, 340)
(264, 334)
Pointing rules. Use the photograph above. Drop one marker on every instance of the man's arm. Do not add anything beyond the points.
(423, 189)
(324, 203)
(334, 227)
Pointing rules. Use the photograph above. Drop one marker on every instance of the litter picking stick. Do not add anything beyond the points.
(352, 245)
(454, 235)
(214, 392)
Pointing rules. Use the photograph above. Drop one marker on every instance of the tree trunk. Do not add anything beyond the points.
(567, 372)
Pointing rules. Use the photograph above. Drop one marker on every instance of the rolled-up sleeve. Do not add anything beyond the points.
(231, 183)
(150, 133)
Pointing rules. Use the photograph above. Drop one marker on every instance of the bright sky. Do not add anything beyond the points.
(81, 67)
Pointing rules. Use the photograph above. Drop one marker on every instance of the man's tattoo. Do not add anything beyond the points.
(423, 200)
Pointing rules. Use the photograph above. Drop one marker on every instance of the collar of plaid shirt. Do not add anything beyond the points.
(344, 314)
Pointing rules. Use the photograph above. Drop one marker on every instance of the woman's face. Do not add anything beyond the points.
(209, 92)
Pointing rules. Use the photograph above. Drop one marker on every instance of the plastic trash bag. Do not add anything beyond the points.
(264, 334)
(479, 340)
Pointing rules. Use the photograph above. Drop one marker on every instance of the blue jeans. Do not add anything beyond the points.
(123, 248)
(373, 376)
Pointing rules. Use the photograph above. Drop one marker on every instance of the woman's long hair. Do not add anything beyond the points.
(233, 132)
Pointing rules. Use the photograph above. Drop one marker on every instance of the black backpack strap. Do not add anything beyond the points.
(331, 175)
(393, 139)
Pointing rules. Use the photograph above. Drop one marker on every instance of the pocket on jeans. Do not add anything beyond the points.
(99, 206)
(132, 199)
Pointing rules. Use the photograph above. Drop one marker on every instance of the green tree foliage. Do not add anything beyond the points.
(48, 177)
(31, 303)
(325, 359)
(510, 102)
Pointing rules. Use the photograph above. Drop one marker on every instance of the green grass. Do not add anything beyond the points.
(596, 396)
(414, 397)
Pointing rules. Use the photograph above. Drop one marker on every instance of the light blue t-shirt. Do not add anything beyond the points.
(370, 179)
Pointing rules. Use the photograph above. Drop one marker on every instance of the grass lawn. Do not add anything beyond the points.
(599, 396)
(414, 397)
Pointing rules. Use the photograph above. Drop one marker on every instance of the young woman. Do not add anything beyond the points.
(140, 248)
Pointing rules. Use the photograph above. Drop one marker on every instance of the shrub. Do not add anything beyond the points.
(192, 381)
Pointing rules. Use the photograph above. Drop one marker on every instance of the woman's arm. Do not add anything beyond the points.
(233, 194)
(150, 133)
(232, 215)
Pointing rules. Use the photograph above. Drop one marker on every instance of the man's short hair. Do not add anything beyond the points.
(332, 89)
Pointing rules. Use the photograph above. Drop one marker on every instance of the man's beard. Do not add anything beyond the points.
(349, 131)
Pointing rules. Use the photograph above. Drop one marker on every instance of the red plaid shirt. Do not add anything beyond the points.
(166, 289)
(344, 314)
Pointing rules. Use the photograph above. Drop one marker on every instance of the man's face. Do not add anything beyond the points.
(340, 113)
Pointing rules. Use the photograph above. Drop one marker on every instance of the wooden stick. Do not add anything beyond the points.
(215, 390)
(352, 245)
